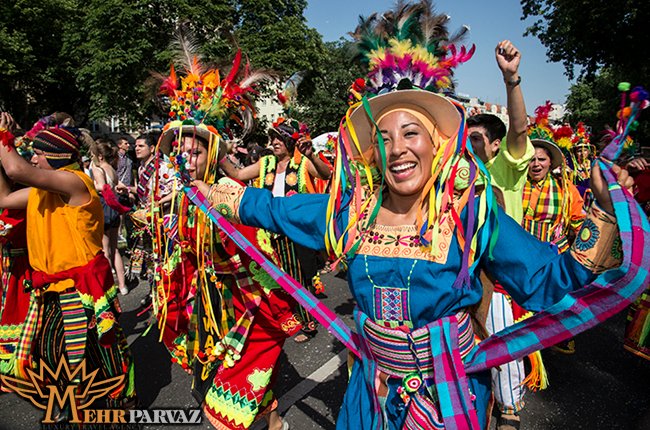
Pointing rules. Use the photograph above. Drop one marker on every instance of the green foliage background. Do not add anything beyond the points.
(601, 42)
(91, 58)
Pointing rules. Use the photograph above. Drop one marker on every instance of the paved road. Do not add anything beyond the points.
(602, 386)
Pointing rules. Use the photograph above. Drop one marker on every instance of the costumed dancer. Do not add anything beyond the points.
(16, 275)
(582, 156)
(74, 312)
(553, 207)
(415, 241)
(287, 172)
(221, 316)
(637, 329)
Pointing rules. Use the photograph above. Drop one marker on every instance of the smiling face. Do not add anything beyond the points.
(539, 165)
(409, 153)
(198, 159)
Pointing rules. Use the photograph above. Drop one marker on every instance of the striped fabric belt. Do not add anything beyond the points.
(13, 252)
(399, 354)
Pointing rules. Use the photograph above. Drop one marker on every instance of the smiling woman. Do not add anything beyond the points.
(412, 215)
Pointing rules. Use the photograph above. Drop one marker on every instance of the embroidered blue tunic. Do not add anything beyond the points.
(396, 284)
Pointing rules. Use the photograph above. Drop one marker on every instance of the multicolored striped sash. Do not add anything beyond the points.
(399, 353)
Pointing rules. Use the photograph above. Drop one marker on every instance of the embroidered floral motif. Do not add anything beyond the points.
(617, 248)
(292, 179)
(291, 193)
(224, 210)
(268, 180)
(588, 236)
(260, 378)
(375, 237)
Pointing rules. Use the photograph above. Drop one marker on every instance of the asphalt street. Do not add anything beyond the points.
(601, 386)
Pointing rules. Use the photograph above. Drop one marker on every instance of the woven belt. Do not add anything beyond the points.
(396, 350)
(13, 252)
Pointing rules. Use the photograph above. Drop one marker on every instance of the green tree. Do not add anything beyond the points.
(120, 41)
(37, 77)
(604, 43)
(323, 94)
(274, 35)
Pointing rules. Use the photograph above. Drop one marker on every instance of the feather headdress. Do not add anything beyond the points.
(409, 47)
(409, 56)
(199, 96)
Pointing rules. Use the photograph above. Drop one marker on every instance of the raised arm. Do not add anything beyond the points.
(508, 58)
(300, 217)
(316, 167)
(70, 186)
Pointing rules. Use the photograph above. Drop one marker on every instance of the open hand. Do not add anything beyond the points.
(7, 122)
(637, 164)
(601, 190)
(508, 58)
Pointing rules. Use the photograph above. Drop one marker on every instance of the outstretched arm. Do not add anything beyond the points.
(242, 175)
(508, 58)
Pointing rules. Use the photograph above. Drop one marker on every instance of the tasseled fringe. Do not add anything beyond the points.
(537, 379)
(20, 369)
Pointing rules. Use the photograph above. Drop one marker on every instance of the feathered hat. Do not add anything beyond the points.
(410, 58)
(201, 102)
(542, 134)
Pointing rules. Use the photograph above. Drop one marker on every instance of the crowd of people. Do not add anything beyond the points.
(423, 204)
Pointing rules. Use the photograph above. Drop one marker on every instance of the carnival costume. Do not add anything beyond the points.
(220, 314)
(74, 311)
(413, 284)
(296, 260)
(16, 273)
(552, 205)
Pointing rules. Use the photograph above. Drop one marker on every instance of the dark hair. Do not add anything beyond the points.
(494, 127)
(286, 139)
(150, 139)
(108, 152)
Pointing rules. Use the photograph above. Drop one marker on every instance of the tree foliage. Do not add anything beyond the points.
(604, 43)
(323, 95)
(90, 58)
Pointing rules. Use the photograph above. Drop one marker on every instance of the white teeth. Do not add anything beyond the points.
(402, 167)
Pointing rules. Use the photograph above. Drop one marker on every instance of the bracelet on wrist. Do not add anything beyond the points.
(512, 83)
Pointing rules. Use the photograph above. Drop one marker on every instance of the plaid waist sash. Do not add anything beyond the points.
(433, 352)
(399, 354)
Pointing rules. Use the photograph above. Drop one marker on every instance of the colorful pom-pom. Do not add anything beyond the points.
(624, 86)
(295, 136)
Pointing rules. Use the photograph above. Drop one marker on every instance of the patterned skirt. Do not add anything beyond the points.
(54, 343)
(300, 263)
